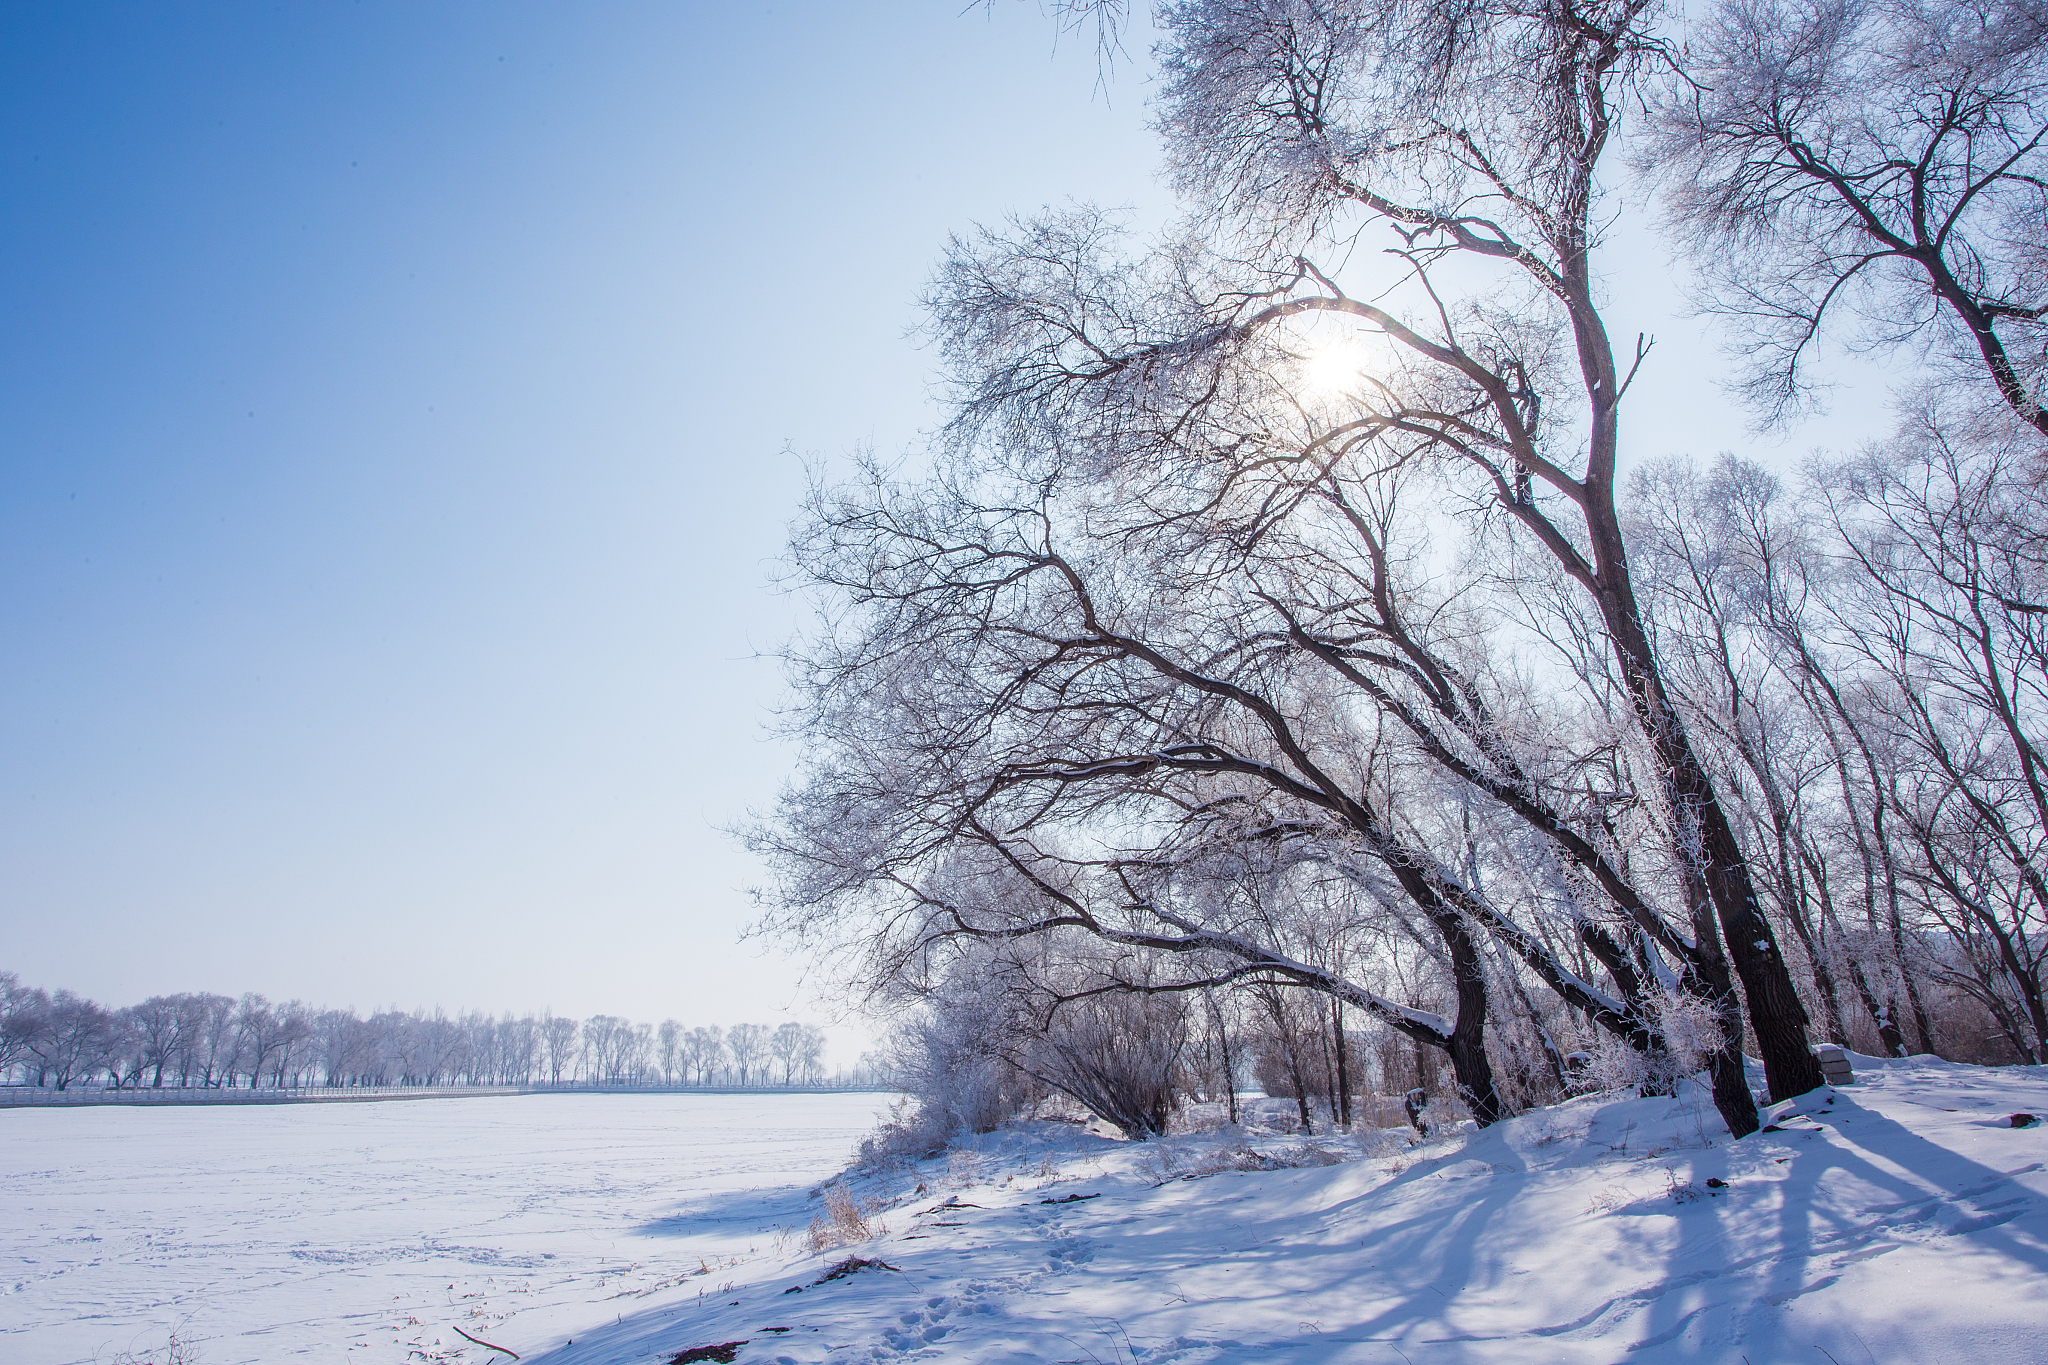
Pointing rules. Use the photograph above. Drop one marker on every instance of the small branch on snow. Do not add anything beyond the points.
(481, 1342)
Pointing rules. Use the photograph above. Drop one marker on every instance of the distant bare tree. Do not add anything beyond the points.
(162, 1025)
(267, 1035)
(218, 1040)
(1953, 617)
(520, 1043)
(705, 1050)
(558, 1043)
(636, 1051)
(748, 1046)
(24, 1018)
(811, 1053)
(345, 1047)
(669, 1046)
(786, 1045)
(77, 1039)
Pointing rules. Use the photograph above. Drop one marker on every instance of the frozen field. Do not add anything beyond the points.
(1899, 1221)
(362, 1232)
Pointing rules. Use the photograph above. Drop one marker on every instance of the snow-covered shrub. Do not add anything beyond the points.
(1117, 1055)
(1614, 1065)
(1193, 1116)
(952, 1056)
(999, 1032)
(842, 1222)
(1303, 1154)
(1691, 1033)
(1375, 1142)
(908, 1134)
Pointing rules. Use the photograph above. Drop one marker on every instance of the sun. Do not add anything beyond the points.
(1331, 363)
(1332, 370)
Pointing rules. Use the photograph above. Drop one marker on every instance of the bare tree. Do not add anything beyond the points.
(1143, 492)
(1881, 159)
(1479, 134)
(786, 1045)
(266, 1034)
(346, 1049)
(521, 1044)
(669, 1049)
(1951, 619)
(558, 1042)
(1740, 580)
(811, 1054)
(748, 1046)
(705, 1050)
(160, 1024)
(218, 1040)
(77, 1039)
(24, 1018)
(1118, 1055)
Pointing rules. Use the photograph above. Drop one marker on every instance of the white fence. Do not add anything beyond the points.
(24, 1096)
(27, 1096)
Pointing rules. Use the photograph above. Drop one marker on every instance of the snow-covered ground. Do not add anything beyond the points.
(365, 1232)
(1902, 1219)
(1898, 1220)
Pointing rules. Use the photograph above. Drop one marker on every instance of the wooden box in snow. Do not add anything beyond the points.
(1834, 1065)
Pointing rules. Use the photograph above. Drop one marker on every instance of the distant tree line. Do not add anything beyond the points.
(195, 1039)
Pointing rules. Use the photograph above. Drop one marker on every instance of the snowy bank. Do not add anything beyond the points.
(1900, 1219)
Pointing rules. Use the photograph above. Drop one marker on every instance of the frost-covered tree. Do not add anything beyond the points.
(810, 1054)
(669, 1044)
(558, 1044)
(747, 1045)
(704, 1050)
(1879, 167)
(1159, 522)
(786, 1045)
(78, 1037)
(24, 1016)
(218, 1041)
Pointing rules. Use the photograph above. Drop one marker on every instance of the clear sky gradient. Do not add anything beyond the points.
(401, 409)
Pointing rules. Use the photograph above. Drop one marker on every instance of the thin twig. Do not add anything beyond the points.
(481, 1342)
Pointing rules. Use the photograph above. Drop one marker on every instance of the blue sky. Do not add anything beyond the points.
(401, 408)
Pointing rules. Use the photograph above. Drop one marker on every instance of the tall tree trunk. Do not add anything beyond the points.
(1707, 846)
(1720, 874)
(1343, 1067)
(1882, 1014)
(1921, 1024)
(1724, 1064)
(1222, 1028)
(1470, 1065)
(1823, 978)
(1277, 1008)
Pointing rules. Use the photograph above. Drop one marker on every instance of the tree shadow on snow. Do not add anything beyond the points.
(1736, 1265)
(757, 1208)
